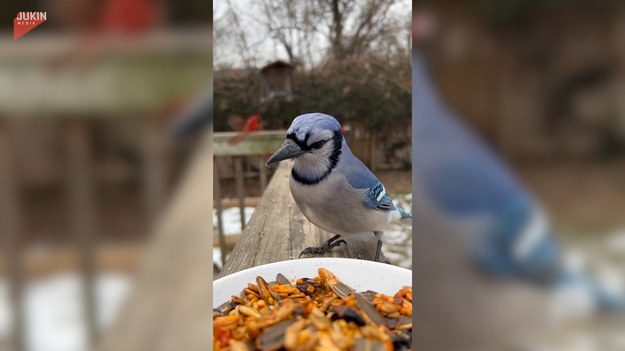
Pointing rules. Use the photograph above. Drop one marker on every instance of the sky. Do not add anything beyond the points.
(264, 48)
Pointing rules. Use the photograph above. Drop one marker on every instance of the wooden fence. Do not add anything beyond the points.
(132, 80)
(237, 161)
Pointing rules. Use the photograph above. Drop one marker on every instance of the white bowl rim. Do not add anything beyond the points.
(358, 274)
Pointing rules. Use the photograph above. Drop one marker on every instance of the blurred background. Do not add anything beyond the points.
(543, 82)
(99, 122)
(275, 60)
(97, 131)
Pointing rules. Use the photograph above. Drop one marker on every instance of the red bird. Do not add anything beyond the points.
(252, 124)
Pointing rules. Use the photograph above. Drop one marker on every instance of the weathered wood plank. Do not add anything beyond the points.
(131, 77)
(153, 151)
(263, 174)
(82, 202)
(278, 231)
(35, 263)
(170, 306)
(230, 241)
(11, 227)
(227, 203)
(220, 218)
(238, 171)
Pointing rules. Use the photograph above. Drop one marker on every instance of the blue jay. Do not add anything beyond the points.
(460, 186)
(332, 187)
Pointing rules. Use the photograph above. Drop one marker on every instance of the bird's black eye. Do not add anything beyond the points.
(318, 144)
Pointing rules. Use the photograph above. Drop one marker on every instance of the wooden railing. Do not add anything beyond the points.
(169, 308)
(229, 163)
(132, 79)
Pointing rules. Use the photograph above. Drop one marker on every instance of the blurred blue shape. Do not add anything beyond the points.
(194, 117)
(461, 186)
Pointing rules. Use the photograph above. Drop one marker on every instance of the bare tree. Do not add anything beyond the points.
(351, 28)
(354, 26)
(286, 24)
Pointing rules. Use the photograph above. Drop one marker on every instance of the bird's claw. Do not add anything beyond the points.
(325, 247)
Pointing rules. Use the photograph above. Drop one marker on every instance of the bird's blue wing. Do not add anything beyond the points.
(360, 177)
(468, 185)
(520, 243)
(377, 198)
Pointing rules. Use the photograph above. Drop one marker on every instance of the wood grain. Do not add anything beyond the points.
(170, 306)
(11, 227)
(278, 231)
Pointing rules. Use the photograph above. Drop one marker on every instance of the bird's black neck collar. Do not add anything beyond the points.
(337, 141)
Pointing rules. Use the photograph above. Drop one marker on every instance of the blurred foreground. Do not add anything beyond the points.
(90, 158)
(542, 86)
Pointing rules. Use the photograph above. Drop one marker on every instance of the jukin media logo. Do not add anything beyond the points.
(24, 22)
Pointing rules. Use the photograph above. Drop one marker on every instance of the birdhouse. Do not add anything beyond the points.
(277, 82)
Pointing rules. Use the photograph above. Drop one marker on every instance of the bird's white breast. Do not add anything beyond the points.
(333, 205)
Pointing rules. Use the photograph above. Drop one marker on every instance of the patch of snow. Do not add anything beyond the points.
(53, 309)
(5, 313)
(217, 257)
(232, 219)
(616, 241)
(398, 237)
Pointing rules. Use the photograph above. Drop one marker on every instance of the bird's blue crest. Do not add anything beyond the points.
(304, 124)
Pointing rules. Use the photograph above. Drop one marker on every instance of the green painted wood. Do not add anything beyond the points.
(257, 143)
(141, 76)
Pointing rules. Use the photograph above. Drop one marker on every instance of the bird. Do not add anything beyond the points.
(252, 124)
(331, 186)
(462, 187)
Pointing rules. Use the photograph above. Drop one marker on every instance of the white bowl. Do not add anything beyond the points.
(359, 274)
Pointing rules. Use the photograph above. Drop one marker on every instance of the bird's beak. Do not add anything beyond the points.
(289, 149)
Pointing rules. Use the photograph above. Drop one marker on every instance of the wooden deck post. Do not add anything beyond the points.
(220, 210)
(238, 176)
(153, 167)
(83, 215)
(262, 170)
(10, 225)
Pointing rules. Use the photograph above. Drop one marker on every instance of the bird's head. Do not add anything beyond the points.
(314, 140)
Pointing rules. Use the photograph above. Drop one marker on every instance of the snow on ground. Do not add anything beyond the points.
(4, 311)
(232, 219)
(232, 225)
(53, 309)
(217, 257)
(398, 237)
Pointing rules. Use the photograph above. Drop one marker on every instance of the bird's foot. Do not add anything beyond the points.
(378, 250)
(325, 247)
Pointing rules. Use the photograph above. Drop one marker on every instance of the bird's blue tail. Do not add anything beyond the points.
(404, 214)
(604, 299)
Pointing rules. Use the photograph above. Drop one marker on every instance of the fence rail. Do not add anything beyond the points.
(125, 83)
(237, 160)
